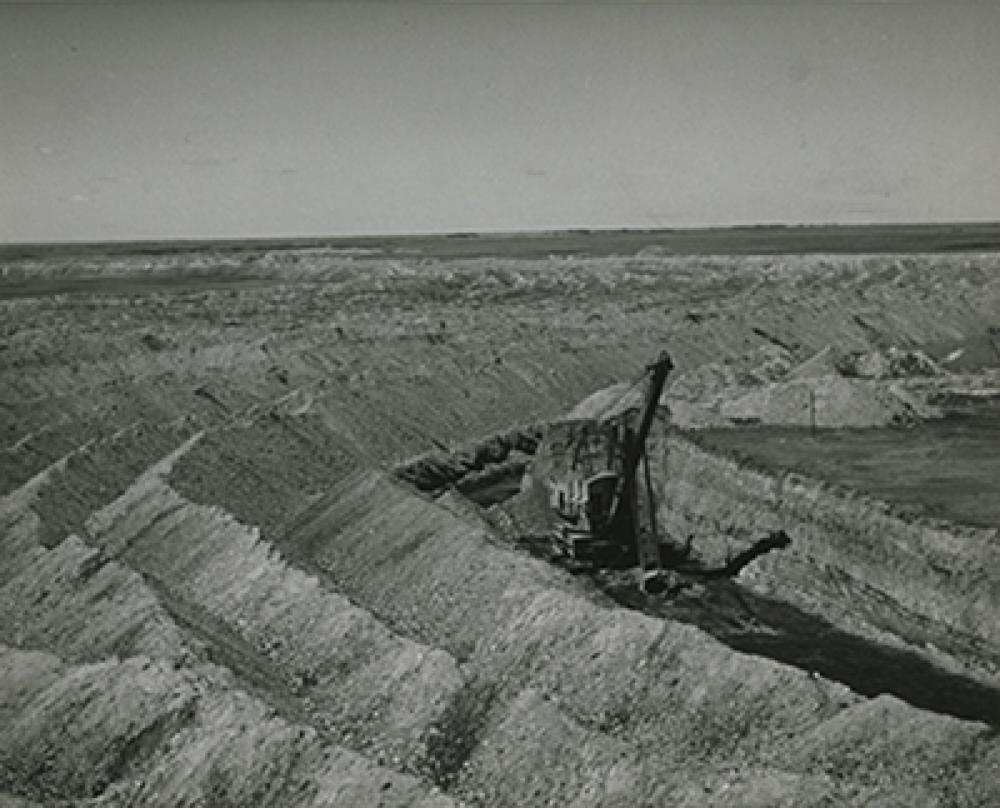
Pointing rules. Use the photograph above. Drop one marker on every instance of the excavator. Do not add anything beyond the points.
(597, 502)
(593, 482)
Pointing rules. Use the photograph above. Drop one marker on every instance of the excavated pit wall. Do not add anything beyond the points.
(158, 727)
(594, 706)
(321, 703)
(844, 544)
(144, 731)
(563, 698)
(569, 700)
(853, 560)
(75, 368)
(475, 465)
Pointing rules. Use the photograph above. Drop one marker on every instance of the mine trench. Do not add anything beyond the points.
(944, 468)
(745, 620)
(496, 492)
(770, 627)
(265, 615)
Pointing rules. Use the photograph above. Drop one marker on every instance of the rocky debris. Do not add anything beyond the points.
(355, 625)
(824, 401)
(474, 466)
(156, 342)
(832, 388)
(825, 362)
(568, 688)
(361, 677)
(893, 363)
(142, 732)
(11, 801)
(969, 353)
(74, 600)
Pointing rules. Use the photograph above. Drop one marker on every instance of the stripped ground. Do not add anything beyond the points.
(213, 590)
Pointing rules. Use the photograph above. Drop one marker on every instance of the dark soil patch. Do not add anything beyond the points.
(939, 469)
(755, 624)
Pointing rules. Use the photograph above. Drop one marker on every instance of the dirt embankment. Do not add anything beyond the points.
(144, 732)
(479, 466)
(852, 560)
(371, 688)
(855, 564)
(246, 682)
(343, 638)
(402, 354)
(569, 698)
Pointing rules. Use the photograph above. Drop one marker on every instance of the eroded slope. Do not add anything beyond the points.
(211, 592)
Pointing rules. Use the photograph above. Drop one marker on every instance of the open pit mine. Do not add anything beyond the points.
(336, 526)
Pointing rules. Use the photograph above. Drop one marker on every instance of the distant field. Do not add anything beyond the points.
(948, 469)
(760, 240)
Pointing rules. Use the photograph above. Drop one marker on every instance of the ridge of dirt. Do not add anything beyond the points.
(87, 603)
(939, 571)
(144, 732)
(340, 631)
(524, 627)
(329, 648)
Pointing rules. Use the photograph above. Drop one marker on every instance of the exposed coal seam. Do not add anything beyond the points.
(869, 668)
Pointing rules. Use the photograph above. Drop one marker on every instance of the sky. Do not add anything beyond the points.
(231, 119)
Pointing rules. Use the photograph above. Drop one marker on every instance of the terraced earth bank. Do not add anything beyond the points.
(239, 565)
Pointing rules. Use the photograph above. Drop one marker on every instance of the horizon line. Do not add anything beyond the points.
(122, 242)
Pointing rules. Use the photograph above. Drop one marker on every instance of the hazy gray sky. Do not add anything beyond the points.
(235, 119)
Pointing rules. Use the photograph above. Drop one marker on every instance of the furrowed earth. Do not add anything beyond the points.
(270, 536)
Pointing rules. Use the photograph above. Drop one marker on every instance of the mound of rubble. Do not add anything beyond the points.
(825, 401)
(833, 388)
(214, 592)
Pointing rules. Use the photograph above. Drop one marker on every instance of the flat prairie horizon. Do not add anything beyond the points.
(732, 240)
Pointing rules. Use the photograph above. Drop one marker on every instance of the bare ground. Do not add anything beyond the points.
(214, 592)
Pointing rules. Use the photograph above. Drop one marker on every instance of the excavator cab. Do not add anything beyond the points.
(584, 535)
(600, 497)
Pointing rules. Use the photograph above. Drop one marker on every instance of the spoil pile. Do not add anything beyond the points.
(833, 388)
(212, 594)
(823, 401)
(577, 697)
(143, 732)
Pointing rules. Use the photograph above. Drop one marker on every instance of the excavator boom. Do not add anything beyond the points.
(658, 372)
